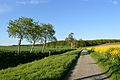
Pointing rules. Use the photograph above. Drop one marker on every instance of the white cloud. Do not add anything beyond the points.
(115, 2)
(32, 2)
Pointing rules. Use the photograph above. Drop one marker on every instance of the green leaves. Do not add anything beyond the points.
(17, 28)
(70, 39)
(32, 31)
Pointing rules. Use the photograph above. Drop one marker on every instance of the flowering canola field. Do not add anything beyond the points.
(109, 58)
(110, 50)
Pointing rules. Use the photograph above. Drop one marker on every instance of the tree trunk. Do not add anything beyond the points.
(71, 45)
(44, 45)
(32, 47)
(49, 53)
(19, 44)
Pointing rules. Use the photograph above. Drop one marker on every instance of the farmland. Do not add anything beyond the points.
(46, 58)
(108, 57)
(50, 68)
(10, 58)
(59, 39)
(28, 47)
(42, 59)
(53, 64)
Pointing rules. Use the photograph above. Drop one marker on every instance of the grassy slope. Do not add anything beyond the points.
(12, 59)
(50, 68)
(111, 69)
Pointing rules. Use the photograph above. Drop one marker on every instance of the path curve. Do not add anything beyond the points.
(86, 69)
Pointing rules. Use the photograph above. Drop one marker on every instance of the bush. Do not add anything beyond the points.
(11, 58)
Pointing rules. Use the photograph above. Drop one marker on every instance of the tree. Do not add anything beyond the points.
(76, 44)
(33, 34)
(17, 29)
(82, 43)
(70, 39)
(55, 41)
(47, 34)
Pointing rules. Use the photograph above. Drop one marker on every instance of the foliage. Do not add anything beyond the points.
(47, 34)
(9, 58)
(109, 58)
(99, 42)
(111, 68)
(50, 68)
(81, 43)
(71, 40)
(34, 32)
(17, 29)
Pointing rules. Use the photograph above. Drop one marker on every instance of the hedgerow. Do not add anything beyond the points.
(49, 68)
(11, 58)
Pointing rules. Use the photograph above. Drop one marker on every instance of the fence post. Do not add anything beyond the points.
(49, 53)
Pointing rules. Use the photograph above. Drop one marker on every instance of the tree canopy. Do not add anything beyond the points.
(32, 31)
(17, 29)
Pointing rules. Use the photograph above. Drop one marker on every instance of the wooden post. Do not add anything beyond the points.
(49, 53)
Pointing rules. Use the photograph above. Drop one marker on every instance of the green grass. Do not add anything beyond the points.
(111, 43)
(10, 58)
(108, 65)
(49, 68)
(27, 48)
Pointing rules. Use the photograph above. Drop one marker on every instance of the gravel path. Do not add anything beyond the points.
(86, 69)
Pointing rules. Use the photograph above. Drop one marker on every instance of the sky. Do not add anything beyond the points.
(87, 19)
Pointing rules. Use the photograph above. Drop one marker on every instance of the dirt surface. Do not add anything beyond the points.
(86, 69)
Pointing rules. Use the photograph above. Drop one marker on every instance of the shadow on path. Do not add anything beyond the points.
(100, 76)
(97, 75)
(93, 76)
(71, 70)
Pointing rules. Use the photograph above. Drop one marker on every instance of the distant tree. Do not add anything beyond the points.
(70, 39)
(47, 34)
(34, 34)
(17, 29)
(55, 41)
(82, 43)
(76, 44)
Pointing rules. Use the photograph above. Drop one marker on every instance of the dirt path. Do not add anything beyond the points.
(86, 69)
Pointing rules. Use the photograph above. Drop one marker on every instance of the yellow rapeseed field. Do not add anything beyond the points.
(112, 50)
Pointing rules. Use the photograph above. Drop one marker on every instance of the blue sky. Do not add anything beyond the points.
(87, 19)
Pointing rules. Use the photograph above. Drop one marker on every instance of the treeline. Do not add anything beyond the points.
(99, 42)
(81, 43)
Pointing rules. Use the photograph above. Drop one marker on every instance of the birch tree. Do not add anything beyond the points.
(17, 29)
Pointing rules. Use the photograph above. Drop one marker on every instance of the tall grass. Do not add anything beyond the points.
(49, 68)
(108, 64)
(11, 58)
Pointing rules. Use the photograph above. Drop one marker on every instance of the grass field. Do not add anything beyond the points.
(10, 58)
(27, 48)
(112, 43)
(108, 58)
(49, 68)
